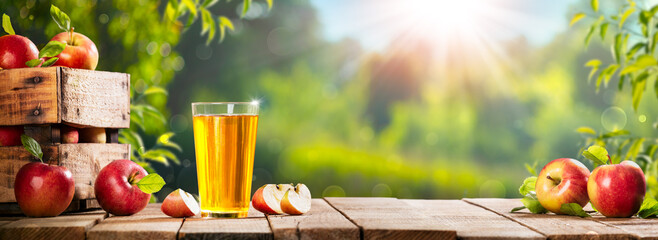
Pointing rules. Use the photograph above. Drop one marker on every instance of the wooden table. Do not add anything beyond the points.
(340, 218)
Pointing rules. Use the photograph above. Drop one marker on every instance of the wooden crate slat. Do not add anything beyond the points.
(95, 98)
(321, 222)
(472, 222)
(254, 226)
(390, 218)
(76, 205)
(644, 228)
(551, 225)
(29, 96)
(70, 227)
(12, 159)
(150, 223)
(85, 160)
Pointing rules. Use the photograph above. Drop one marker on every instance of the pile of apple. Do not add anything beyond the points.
(67, 49)
(615, 190)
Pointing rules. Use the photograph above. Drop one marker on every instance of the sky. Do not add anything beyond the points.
(375, 23)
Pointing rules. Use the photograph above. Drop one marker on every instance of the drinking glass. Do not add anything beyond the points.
(225, 140)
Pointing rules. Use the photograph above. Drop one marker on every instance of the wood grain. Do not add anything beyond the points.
(390, 218)
(76, 205)
(69, 227)
(29, 96)
(254, 226)
(85, 160)
(321, 222)
(12, 159)
(150, 223)
(551, 225)
(472, 222)
(95, 98)
(643, 228)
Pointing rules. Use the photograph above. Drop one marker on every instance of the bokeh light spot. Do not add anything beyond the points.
(613, 118)
(492, 189)
(333, 191)
(381, 190)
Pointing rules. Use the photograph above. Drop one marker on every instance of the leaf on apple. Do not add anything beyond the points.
(649, 208)
(573, 209)
(517, 209)
(62, 19)
(50, 62)
(528, 186)
(151, 183)
(530, 201)
(6, 25)
(598, 154)
(32, 146)
(52, 48)
(33, 62)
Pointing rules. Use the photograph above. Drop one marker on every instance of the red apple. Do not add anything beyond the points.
(11, 136)
(93, 135)
(180, 204)
(296, 201)
(617, 190)
(562, 180)
(80, 51)
(15, 50)
(267, 199)
(116, 188)
(69, 134)
(43, 190)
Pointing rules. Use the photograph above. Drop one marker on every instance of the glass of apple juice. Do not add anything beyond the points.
(225, 141)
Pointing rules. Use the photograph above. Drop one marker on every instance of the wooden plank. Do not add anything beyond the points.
(150, 223)
(644, 228)
(85, 160)
(12, 159)
(254, 226)
(76, 205)
(70, 226)
(390, 218)
(321, 222)
(551, 225)
(472, 222)
(95, 98)
(28, 96)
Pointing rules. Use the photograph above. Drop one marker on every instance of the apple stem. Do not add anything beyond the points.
(131, 178)
(71, 36)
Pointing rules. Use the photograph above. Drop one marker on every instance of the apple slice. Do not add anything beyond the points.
(180, 204)
(296, 201)
(267, 198)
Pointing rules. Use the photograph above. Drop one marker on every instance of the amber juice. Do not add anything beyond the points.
(225, 147)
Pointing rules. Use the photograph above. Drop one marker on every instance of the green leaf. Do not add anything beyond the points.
(641, 63)
(211, 25)
(516, 209)
(154, 113)
(52, 48)
(573, 209)
(189, 4)
(6, 25)
(625, 15)
(639, 86)
(603, 30)
(530, 201)
(616, 47)
(531, 169)
(155, 156)
(615, 134)
(577, 17)
(153, 199)
(634, 49)
(597, 154)
(61, 19)
(165, 140)
(649, 208)
(653, 42)
(246, 4)
(209, 3)
(620, 85)
(528, 186)
(593, 63)
(50, 62)
(32, 146)
(269, 4)
(151, 183)
(595, 5)
(606, 74)
(586, 130)
(634, 150)
(33, 62)
(224, 23)
(167, 154)
(589, 34)
(155, 90)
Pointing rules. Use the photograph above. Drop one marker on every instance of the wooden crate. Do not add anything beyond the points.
(52, 95)
(43, 100)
